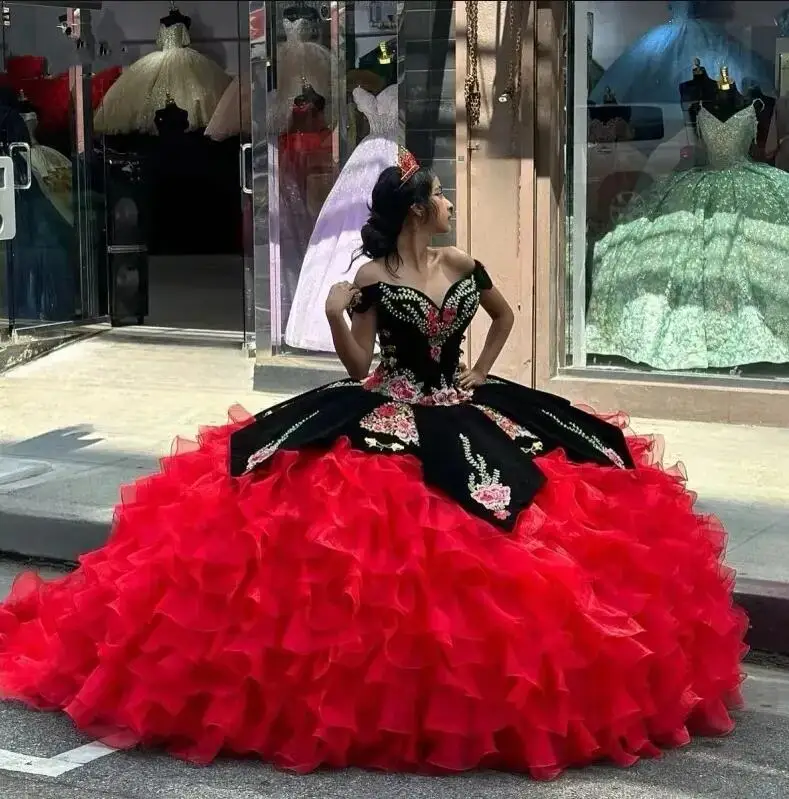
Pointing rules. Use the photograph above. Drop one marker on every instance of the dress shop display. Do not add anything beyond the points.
(396, 573)
(694, 273)
(190, 173)
(174, 72)
(335, 238)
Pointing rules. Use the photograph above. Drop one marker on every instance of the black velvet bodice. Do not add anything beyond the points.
(477, 446)
(420, 340)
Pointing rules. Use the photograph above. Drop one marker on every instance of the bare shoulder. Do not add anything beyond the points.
(368, 274)
(456, 260)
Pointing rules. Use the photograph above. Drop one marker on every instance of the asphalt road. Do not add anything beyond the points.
(43, 757)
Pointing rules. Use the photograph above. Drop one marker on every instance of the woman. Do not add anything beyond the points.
(425, 569)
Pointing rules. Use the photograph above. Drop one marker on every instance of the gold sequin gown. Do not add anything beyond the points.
(193, 81)
(232, 115)
(696, 273)
(52, 171)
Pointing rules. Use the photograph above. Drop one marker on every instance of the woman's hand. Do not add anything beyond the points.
(342, 296)
(470, 378)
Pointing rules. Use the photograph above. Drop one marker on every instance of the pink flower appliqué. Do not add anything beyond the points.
(392, 419)
(494, 497)
(432, 322)
(484, 484)
(449, 315)
(400, 388)
(375, 380)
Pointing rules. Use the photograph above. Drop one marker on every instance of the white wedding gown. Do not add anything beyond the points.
(337, 233)
(175, 72)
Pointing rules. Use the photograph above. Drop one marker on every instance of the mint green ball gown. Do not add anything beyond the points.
(696, 273)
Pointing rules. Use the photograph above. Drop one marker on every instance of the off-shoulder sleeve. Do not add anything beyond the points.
(368, 296)
(481, 277)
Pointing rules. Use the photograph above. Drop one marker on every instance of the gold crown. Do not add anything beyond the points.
(409, 166)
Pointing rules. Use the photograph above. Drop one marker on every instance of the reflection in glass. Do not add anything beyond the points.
(680, 208)
(346, 83)
(41, 263)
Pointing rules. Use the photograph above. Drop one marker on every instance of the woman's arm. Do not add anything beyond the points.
(502, 320)
(354, 344)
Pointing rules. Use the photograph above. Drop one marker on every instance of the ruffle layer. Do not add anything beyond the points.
(333, 610)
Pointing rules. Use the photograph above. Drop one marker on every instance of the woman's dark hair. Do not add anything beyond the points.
(391, 202)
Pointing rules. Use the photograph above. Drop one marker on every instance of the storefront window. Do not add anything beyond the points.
(678, 201)
(349, 82)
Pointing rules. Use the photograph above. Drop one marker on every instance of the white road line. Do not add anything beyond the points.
(53, 766)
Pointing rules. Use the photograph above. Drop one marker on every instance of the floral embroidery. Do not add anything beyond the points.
(264, 453)
(402, 385)
(374, 443)
(609, 453)
(436, 323)
(511, 428)
(486, 487)
(392, 419)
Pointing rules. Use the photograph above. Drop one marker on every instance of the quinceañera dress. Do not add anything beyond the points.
(397, 574)
(336, 237)
(176, 72)
(301, 63)
(696, 273)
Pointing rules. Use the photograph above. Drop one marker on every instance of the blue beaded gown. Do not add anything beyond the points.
(651, 70)
(696, 273)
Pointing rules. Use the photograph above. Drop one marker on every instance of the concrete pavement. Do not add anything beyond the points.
(753, 762)
(83, 420)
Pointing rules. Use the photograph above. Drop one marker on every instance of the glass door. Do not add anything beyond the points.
(173, 134)
(50, 269)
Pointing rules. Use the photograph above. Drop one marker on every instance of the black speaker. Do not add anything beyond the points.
(127, 230)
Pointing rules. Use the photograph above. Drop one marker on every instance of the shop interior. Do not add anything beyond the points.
(679, 228)
(164, 214)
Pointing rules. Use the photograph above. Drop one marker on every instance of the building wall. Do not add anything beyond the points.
(427, 93)
(496, 172)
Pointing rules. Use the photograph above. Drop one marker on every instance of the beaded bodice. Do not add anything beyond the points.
(728, 142)
(421, 340)
(172, 37)
(380, 110)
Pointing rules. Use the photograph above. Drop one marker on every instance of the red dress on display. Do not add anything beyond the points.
(396, 574)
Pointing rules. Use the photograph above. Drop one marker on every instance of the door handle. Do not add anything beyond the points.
(242, 165)
(24, 149)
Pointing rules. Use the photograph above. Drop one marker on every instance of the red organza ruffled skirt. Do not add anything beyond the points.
(333, 610)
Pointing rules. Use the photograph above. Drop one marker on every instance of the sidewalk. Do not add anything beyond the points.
(85, 419)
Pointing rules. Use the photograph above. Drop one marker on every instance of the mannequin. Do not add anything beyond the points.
(175, 17)
(336, 238)
(171, 120)
(382, 60)
(727, 99)
(692, 92)
(194, 82)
